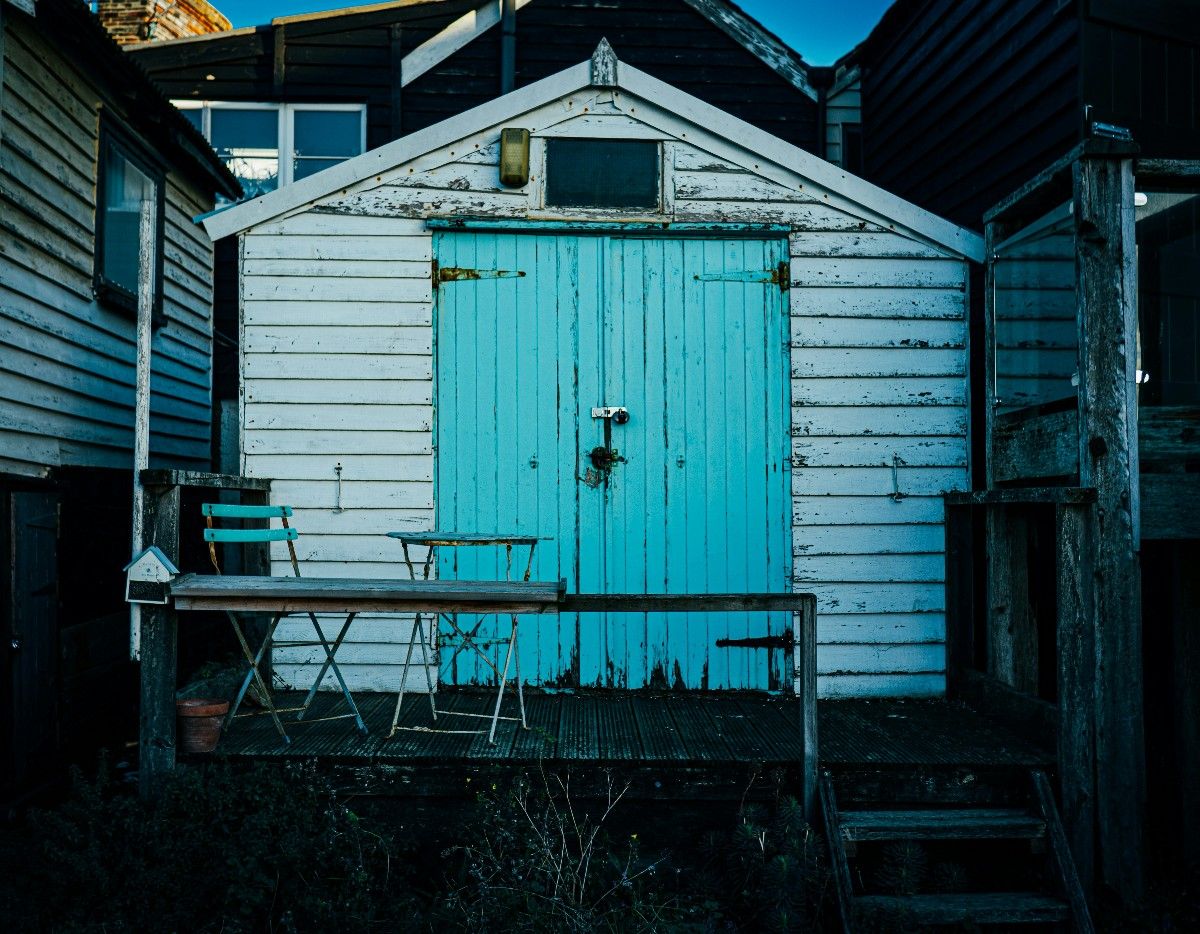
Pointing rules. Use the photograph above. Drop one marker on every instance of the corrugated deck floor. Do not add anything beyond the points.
(614, 727)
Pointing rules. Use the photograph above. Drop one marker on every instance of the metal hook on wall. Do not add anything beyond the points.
(895, 496)
(337, 495)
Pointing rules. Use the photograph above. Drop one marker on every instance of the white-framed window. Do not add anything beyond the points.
(268, 145)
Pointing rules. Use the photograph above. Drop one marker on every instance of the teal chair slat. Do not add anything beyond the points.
(250, 535)
(231, 511)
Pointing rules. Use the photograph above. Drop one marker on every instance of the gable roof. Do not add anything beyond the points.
(604, 71)
(478, 18)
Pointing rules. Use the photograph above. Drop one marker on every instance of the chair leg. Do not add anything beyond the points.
(520, 688)
(512, 641)
(330, 654)
(337, 672)
(253, 659)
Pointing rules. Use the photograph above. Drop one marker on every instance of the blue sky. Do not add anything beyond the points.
(820, 30)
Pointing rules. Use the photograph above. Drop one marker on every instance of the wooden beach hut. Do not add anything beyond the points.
(432, 332)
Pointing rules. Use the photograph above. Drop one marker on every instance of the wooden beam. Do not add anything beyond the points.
(508, 46)
(1035, 447)
(278, 58)
(1060, 856)
(1167, 170)
(156, 734)
(1052, 185)
(1106, 295)
(1076, 649)
(197, 478)
(396, 79)
(1022, 495)
(990, 235)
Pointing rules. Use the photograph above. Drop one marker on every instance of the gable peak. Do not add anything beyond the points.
(604, 66)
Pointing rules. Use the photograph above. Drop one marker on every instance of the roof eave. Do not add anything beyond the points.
(579, 77)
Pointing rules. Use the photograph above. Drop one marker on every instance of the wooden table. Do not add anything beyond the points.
(355, 595)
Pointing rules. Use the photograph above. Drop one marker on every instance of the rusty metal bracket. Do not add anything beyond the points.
(784, 641)
(780, 276)
(440, 274)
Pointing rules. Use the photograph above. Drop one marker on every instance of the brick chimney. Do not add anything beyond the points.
(130, 21)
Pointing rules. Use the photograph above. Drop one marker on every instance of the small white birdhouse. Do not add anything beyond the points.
(147, 576)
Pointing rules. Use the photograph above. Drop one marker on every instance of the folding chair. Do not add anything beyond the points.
(460, 639)
(213, 536)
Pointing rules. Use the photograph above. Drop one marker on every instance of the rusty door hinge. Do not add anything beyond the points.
(779, 277)
(441, 274)
(783, 641)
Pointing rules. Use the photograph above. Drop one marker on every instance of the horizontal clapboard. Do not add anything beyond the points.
(67, 363)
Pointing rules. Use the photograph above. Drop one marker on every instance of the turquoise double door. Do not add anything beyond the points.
(626, 399)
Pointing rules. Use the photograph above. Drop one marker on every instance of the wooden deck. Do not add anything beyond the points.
(694, 744)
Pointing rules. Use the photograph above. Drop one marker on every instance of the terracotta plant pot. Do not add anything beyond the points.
(199, 723)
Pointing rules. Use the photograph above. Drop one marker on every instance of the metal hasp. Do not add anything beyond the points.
(604, 456)
(618, 413)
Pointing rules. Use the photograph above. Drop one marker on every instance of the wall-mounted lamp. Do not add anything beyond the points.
(514, 157)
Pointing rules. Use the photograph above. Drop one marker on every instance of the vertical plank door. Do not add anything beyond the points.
(536, 330)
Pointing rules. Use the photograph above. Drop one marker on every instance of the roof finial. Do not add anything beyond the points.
(604, 66)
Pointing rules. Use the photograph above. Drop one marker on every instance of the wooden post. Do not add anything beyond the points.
(141, 400)
(806, 689)
(989, 348)
(157, 727)
(1107, 321)
(1076, 570)
(508, 45)
(396, 78)
(278, 60)
(1012, 630)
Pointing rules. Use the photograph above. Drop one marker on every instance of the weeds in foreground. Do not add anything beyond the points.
(259, 849)
(542, 861)
(272, 848)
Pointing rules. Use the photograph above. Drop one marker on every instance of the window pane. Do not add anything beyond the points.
(602, 173)
(125, 187)
(194, 116)
(248, 142)
(330, 134)
(302, 168)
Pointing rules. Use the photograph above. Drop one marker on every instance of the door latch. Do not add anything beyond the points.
(618, 413)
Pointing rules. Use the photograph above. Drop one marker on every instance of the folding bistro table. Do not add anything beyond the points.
(461, 639)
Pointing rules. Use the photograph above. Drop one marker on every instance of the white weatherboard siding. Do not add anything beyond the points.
(66, 363)
(337, 368)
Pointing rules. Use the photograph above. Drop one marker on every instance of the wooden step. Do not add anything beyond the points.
(977, 907)
(942, 824)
